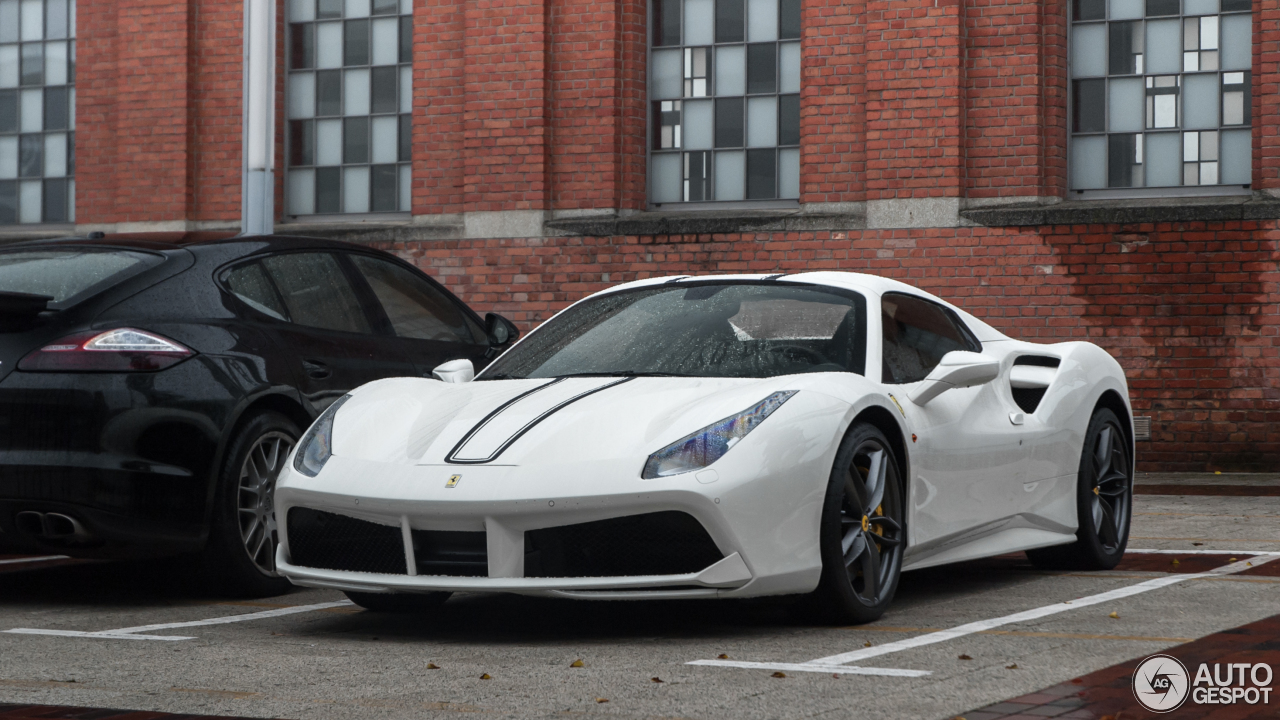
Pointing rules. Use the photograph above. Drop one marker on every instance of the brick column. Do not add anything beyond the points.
(833, 102)
(1266, 95)
(439, 98)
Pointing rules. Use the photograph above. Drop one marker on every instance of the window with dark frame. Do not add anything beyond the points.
(724, 93)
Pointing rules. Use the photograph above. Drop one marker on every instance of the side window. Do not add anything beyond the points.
(917, 333)
(251, 284)
(316, 292)
(415, 308)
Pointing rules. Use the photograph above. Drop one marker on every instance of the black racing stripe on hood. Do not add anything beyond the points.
(451, 457)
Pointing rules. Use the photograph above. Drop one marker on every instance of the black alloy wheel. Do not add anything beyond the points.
(1104, 501)
(862, 536)
(256, 498)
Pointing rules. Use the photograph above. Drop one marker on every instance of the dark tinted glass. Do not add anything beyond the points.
(355, 140)
(56, 109)
(1121, 153)
(415, 308)
(71, 154)
(762, 174)
(406, 138)
(316, 292)
(1237, 5)
(8, 204)
(33, 64)
(385, 82)
(1124, 45)
(729, 124)
(406, 39)
(1089, 98)
(8, 111)
(54, 200)
(789, 19)
(302, 142)
(63, 274)
(355, 43)
(917, 333)
(1090, 9)
(251, 284)
(384, 188)
(762, 68)
(31, 156)
(730, 21)
(302, 46)
(386, 7)
(328, 190)
(788, 119)
(697, 171)
(666, 26)
(329, 92)
(1162, 7)
(326, 9)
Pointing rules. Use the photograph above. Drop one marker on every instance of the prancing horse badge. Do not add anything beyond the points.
(453, 481)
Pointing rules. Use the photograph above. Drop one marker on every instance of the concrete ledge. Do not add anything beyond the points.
(1128, 212)
(705, 222)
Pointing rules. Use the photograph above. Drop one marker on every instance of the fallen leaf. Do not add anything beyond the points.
(432, 666)
(1248, 564)
(835, 676)
(1175, 562)
(602, 700)
(965, 657)
(866, 644)
(655, 679)
(1217, 472)
(778, 674)
(1011, 667)
(485, 677)
(577, 663)
(1232, 560)
(1114, 615)
(722, 656)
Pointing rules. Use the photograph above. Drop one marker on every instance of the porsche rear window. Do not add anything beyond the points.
(67, 274)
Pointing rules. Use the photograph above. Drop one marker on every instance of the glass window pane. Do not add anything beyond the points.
(1237, 42)
(762, 122)
(32, 110)
(328, 189)
(1200, 108)
(405, 139)
(355, 140)
(355, 48)
(8, 111)
(731, 70)
(8, 21)
(762, 68)
(406, 39)
(55, 155)
(356, 92)
(729, 122)
(302, 95)
(1164, 46)
(1089, 9)
(8, 202)
(789, 174)
(699, 22)
(56, 109)
(1089, 163)
(355, 189)
(668, 74)
(32, 20)
(697, 174)
(730, 21)
(1163, 159)
(762, 174)
(29, 201)
(1162, 7)
(1208, 33)
(762, 20)
(1233, 108)
(316, 292)
(1088, 105)
(699, 125)
(406, 188)
(33, 64)
(326, 9)
(1088, 50)
(386, 41)
(789, 19)
(1200, 7)
(1236, 167)
(730, 175)
(386, 136)
(1127, 9)
(1123, 156)
(668, 178)
(386, 7)
(31, 156)
(385, 82)
(55, 201)
(1125, 48)
(1237, 5)
(55, 63)
(385, 198)
(9, 74)
(8, 158)
(789, 67)
(302, 46)
(666, 26)
(302, 10)
(329, 45)
(406, 89)
(302, 142)
(356, 8)
(329, 142)
(1126, 98)
(789, 120)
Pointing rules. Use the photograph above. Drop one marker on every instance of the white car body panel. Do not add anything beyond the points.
(979, 481)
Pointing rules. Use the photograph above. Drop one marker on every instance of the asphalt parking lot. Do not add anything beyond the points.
(104, 635)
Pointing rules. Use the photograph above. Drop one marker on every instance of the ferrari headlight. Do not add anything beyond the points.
(316, 445)
(712, 442)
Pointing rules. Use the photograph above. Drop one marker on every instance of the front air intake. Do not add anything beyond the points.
(661, 543)
(336, 542)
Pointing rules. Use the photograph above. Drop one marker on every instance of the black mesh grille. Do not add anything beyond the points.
(455, 554)
(336, 542)
(662, 543)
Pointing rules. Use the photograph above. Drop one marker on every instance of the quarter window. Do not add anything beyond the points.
(1160, 93)
(350, 95)
(917, 333)
(724, 95)
(414, 307)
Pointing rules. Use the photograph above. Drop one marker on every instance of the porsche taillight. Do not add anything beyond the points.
(119, 350)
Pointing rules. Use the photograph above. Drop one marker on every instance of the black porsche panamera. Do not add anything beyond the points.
(151, 390)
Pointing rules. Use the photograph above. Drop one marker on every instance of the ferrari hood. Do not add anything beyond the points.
(517, 422)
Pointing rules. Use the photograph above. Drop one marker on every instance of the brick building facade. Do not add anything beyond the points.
(1003, 154)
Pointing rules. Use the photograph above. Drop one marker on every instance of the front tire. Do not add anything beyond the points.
(862, 533)
(398, 602)
(1104, 501)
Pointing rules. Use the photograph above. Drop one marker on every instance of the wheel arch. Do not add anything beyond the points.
(1111, 400)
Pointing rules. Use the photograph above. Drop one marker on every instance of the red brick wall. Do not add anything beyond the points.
(1266, 93)
(833, 107)
(439, 97)
(216, 69)
(1191, 311)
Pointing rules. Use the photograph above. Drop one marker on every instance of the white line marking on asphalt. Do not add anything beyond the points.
(1203, 552)
(815, 667)
(133, 633)
(825, 663)
(34, 559)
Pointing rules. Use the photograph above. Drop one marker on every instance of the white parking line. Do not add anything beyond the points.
(1203, 552)
(134, 633)
(826, 664)
(34, 559)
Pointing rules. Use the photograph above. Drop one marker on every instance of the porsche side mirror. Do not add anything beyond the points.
(501, 330)
(958, 369)
(455, 371)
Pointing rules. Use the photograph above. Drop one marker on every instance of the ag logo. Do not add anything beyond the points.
(453, 481)
(1161, 683)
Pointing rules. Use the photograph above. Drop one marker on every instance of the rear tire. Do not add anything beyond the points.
(862, 534)
(1104, 501)
(240, 555)
(398, 602)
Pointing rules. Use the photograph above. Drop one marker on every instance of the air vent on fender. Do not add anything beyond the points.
(1030, 377)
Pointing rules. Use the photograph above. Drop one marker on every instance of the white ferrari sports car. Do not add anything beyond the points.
(812, 435)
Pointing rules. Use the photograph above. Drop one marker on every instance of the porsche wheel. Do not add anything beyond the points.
(862, 536)
(398, 602)
(1104, 501)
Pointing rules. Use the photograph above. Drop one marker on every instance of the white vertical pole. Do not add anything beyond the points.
(257, 193)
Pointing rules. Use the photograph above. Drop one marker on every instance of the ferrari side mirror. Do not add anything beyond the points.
(501, 330)
(455, 371)
(958, 369)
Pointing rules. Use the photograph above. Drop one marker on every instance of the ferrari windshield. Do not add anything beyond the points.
(698, 329)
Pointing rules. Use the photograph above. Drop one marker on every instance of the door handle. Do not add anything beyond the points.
(316, 370)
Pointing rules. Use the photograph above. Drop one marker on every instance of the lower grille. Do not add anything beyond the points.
(449, 553)
(336, 542)
(661, 543)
